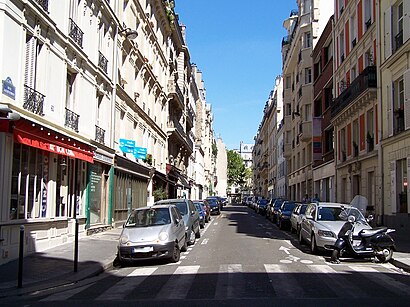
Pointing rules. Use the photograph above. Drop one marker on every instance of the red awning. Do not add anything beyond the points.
(26, 133)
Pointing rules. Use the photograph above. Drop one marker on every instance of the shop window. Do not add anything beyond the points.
(28, 184)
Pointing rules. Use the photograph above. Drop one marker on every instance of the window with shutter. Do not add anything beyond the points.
(406, 95)
(406, 21)
(389, 94)
(393, 187)
(387, 33)
(30, 65)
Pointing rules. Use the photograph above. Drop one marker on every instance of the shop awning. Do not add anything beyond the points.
(32, 135)
(183, 182)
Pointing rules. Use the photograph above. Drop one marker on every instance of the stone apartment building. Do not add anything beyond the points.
(101, 96)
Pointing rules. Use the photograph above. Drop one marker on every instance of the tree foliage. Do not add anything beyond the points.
(237, 172)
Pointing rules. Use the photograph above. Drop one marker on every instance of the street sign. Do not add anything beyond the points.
(127, 146)
(140, 152)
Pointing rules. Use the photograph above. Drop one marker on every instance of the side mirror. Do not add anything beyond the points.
(370, 218)
(177, 221)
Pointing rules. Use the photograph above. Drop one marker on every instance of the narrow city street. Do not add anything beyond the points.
(240, 259)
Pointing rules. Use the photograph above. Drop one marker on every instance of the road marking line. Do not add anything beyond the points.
(125, 285)
(204, 241)
(179, 284)
(283, 284)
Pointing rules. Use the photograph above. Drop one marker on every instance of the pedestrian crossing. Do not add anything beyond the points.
(228, 281)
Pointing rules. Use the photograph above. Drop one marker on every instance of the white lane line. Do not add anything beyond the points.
(382, 279)
(284, 284)
(204, 241)
(127, 284)
(178, 285)
(216, 223)
(227, 287)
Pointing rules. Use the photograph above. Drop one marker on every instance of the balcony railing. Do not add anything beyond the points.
(173, 89)
(102, 62)
(33, 100)
(99, 134)
(75, 33)
(71, 119)
(43, 4)
(175, 124)
(367, 79)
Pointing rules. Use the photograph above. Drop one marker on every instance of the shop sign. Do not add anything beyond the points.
(103, 158)
(140, 152)
(8, 88)
(45, 181)
(127, 146)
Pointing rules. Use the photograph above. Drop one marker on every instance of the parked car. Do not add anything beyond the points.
(261, 206)
(202, 214)
(284, 213)
(206, 207)
(214, 205)
(217, 199)
(321, 224)
(189, 214)
(296, 217)
(275, 209)
(152, 232)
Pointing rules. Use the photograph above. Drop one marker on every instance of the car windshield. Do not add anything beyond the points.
(212, 201)
(182, 207)
(289, 206)
(303, 209)
(149, 217)
(263, 202)
(198, 206)
(329, 214)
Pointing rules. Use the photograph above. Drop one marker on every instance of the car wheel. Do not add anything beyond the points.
(313, 246)
(300, 237)
(197, 234)
(191, 240)
(386, 256)
(176, 254)
(184, 247)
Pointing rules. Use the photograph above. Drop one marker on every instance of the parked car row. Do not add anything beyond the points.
(163, 230)
(316, 224)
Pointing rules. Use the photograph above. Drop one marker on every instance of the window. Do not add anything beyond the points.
(343, 144)
(398, 105)
(353, 30)
(70, 90)
(288, 82)
(341, 6)
(398, 18)
(29, 183)
(401, 187)
(355, 137)
(307, 40)
(353, 73)
(308, 75)
(342, 46)
(367, 13)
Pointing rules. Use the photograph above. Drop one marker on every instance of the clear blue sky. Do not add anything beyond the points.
(237, 46)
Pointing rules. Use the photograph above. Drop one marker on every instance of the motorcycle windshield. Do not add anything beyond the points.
(357, 209)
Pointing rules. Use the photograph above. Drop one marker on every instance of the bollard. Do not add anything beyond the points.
(21, 255)
(76, 246)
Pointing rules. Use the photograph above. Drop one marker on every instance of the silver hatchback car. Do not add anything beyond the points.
(152, 232)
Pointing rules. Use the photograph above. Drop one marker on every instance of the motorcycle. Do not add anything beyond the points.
(368, 242)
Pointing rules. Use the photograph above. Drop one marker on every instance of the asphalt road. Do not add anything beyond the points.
(240, 259)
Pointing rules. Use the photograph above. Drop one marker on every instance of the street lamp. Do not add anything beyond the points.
(130, 34)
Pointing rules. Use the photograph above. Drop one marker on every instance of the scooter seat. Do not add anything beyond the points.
(371, 232)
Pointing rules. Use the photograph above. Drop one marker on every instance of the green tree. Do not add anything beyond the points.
(237, 172)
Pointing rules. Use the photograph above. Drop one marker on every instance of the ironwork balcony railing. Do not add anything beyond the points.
(71, 119)
(102, 62)
(33, 100)
(367, 79)
(75, 33)
(99, 134)
(43, 4)
(398, 39)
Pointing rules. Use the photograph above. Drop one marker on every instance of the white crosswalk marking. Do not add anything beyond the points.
(179, 284)
(335, 280)
(226, 286)
(382, 279)
(284, 284)
(127, 284)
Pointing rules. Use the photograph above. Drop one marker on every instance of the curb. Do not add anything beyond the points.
(401, 265)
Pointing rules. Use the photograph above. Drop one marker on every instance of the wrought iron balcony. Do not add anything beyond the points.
(33, 100)
(71, 119)
(102, 62)
(43, 4)
(366, 80)
(75, 33)
(99, 134)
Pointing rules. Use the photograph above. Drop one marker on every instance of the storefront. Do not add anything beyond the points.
(46, 186)
(130, 188)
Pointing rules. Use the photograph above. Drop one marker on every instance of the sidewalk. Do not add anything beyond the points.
(55, 267)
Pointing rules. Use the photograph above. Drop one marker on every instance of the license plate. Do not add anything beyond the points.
(145, 249)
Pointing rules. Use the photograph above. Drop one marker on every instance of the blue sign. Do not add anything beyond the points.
(140, 152)
(8, 88)
(127, 146)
